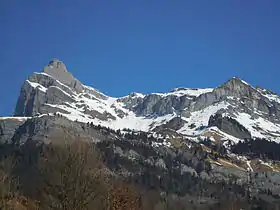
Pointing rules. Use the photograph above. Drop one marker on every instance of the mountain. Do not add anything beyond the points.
(55, 90)
(193, 131)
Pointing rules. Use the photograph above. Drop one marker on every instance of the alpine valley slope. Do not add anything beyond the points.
(167, 131)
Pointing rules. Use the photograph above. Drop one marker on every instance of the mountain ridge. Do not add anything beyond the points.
(57, 90)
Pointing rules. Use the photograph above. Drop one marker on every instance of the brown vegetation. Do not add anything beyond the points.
(72, 177)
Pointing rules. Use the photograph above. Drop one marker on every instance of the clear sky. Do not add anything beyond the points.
(120, 46)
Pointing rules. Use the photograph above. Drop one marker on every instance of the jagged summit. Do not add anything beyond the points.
(58, 70)
(56, 63)
(236, 81)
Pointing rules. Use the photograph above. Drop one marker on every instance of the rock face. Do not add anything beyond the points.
(57, 70)
(54, 86)
(175, 124)
(239, 90)
(30, 100)
(8, 127)
(230, 126)
(156, 104)
(45, 129)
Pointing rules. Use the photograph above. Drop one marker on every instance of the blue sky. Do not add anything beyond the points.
(144, 46)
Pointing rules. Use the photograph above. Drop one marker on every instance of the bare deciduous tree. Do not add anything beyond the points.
(124, 197)
(72, 177)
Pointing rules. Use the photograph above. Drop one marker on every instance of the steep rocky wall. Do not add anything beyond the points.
(8, 127)
(229, 126)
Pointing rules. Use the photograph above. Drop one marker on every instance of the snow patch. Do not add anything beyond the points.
(190, 91)
(200, 119)
(15, 118)
(265, 126)
(37, 85)
(248, 162)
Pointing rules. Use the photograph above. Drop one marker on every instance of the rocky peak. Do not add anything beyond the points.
(237, 88)
(54, 85)
(57, 69)
(236, 83)
(55, 63)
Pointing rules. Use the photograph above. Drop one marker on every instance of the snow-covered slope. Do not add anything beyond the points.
(56, 91)
(191, 92)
